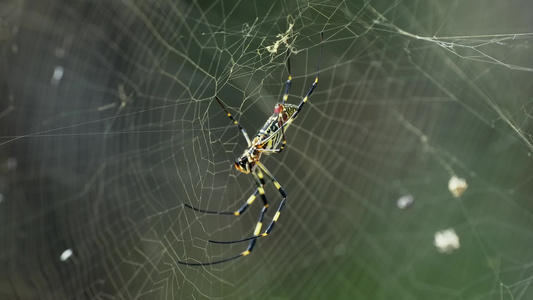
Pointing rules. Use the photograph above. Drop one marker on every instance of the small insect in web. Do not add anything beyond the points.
(270, 139)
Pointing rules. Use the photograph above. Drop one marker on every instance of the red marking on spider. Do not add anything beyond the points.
(278, 108)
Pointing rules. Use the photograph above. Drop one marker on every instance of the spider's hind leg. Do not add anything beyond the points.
(260, 181)
(259, 225)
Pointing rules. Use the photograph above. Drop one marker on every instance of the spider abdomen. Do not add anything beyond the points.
(271, 129)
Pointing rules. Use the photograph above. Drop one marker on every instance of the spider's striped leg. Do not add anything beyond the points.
(210, 262)
(248, 202)
(259, 224)
(282, 203)
(235, 122)
(244, 253)
(259, 180)
(313, 86)
(284, 99)
(289, 78)
(243, 208)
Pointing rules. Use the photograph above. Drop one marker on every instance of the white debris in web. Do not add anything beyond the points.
(57, 75)
(457, 186)
(65, 255)
(446, 241)
(282, 39)
(405, 202)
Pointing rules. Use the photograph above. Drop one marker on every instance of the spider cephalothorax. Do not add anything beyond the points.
(242, 164)
(246, 162)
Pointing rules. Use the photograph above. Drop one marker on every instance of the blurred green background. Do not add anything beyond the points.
(108, 126)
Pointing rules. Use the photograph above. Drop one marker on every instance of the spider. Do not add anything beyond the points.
(270, 139)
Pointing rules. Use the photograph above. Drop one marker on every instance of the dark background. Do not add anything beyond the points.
(101, 159)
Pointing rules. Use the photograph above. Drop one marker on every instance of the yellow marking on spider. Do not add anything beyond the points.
(246, 253)
(316, 80)
(304, 100)
(285, 97)
(250, 200)
(278, 186)
(261, 190)
(276, 216)
(258, 228)
(236, 213)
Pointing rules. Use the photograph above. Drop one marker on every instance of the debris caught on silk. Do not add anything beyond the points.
(457, 186)
(446, 241)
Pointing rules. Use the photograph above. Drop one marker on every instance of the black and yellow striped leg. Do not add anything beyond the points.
(249, 201)
(238, 212)
(256, 234)
(243, 208)
(244, 253)
(259, 224)
(235, 122)
(259, 180)
(284, 99)
(289, 78)
(313, 86)
(271, 177)
(259, 190)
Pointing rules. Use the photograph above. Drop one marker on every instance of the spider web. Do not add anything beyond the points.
(108, 126)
